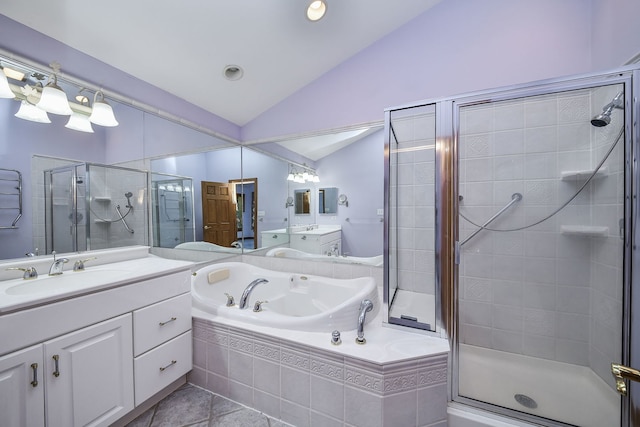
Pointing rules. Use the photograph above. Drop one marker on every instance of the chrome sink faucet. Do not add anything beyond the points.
(365, 307)
(57, 266)
(245, 295)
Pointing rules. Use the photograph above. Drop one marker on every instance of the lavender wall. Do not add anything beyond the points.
(358, 172)
(615, 33)
(457, 46)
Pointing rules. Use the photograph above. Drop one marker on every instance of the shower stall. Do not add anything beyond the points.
(172, 210)
(511, 212)
(91, 206)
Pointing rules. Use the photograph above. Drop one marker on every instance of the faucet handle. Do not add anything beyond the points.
(257, 307)
(29, 272)
(230, 300)
(79, 264)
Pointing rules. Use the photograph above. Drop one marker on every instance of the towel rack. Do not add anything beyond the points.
(10, 188)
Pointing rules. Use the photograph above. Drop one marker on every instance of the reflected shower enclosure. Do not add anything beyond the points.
(511, 208)
(91, 206)
(172, 210)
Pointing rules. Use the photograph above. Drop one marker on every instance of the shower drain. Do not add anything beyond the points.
(525, 401)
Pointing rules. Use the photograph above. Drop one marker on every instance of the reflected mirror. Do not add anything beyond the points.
(302, 201)
(328, 200)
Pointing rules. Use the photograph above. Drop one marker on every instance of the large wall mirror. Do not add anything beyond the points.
(188, 166)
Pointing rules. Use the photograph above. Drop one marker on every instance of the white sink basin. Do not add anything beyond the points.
(64, 282)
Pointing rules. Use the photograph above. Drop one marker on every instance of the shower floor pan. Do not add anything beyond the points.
(560, 391)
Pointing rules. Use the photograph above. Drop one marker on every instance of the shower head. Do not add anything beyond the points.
(128, 195)
(604, 118)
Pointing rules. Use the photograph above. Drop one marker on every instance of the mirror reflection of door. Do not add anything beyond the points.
(246, 193)
(218, 213)
(302, 201)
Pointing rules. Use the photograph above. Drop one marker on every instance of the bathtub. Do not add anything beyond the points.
(299, 302)
(208, 247)
(375, 261)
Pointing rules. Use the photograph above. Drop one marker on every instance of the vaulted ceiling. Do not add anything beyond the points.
(184, 47)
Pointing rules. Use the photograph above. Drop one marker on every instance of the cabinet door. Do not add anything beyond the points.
(22, 388)
(89, 375)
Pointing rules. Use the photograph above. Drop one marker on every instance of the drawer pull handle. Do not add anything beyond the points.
(56, 372)
(168, 321)
(173, 362)
(34, 367)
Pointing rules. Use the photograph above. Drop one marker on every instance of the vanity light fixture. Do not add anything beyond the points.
(78, 121)
(102, 113)
(53, 99)
(28, 110)
(5, 90)
(316, 10)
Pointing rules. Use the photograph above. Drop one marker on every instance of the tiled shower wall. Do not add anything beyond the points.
(538, 291)
(412, 182)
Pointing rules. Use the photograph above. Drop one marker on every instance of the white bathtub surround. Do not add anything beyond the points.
(398, 378)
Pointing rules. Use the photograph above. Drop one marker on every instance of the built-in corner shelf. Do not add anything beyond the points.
(582, 175)
(101, 221)
(104, 199)
(585, 230)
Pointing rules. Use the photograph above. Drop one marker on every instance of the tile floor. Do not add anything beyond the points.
(195, 407)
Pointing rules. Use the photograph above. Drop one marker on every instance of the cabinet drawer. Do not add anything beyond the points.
(161, 366)
(160, 322)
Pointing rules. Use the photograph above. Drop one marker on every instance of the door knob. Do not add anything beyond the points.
(620, 373)
(207, 227)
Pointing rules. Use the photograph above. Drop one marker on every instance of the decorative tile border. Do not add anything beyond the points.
(371, 379)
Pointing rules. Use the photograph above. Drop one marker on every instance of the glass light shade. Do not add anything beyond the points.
(79, 122)
(5, 90)
(32, 113)
(290, 177)
(315, 178)
(54, 100)
(102, 114)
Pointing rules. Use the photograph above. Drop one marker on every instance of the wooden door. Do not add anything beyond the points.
(218, 213)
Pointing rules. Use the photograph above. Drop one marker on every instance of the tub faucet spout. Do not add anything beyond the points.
(365, 307)
(247, 291)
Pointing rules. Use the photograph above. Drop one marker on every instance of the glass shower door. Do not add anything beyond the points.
(411, 264)
(541, 227)
(65, 220)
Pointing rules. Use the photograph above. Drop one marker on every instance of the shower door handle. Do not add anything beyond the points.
(620, 373)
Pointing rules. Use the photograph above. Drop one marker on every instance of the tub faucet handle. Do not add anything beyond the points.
(230, 301)
(335, 338)
(257, 307)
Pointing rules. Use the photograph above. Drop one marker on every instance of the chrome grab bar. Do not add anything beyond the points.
(123, 221)
(515, 197)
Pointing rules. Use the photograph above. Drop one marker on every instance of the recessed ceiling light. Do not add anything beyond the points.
(316, 10)
(233, 72)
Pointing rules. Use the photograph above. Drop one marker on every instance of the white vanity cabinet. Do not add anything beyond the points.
(162, 345)
(274, 237)
(317, 241)
(89, 375)
(90, 359)
(22, 388)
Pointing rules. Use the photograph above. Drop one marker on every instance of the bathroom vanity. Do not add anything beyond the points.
(87, 347)
(323, 239)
